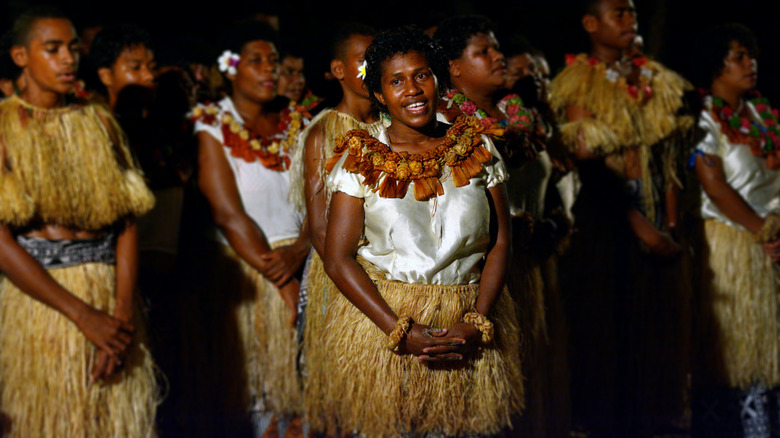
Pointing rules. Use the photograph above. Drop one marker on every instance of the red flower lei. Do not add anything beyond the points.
(272, 152)
(763, 139)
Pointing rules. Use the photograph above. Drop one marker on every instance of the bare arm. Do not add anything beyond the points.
(316, 198)
(126, 277)
(216, 181)
(345, 226)
(575, 113)
(709, 170)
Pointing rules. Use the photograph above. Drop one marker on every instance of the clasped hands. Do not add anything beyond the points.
(112, 335)
(441, 345)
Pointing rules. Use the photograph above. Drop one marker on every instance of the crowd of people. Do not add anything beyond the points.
(431, 235)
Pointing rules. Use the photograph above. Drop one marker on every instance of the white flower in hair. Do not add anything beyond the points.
(362, 70)
(228, 61)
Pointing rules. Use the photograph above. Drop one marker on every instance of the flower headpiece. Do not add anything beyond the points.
(228, 61)
(362, 70)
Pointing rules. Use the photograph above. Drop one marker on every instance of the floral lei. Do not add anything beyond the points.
(272, 152)
(641, 92)
(764, 140)
(462, 150)
(520, 119)
(522, 124)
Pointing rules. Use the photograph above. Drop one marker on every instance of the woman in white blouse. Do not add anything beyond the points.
(424, 331)
(738, 357)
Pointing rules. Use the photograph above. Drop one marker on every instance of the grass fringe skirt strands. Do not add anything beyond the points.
(379, 393)
(46, 365)
(316, 357)
(270, 344)
(738, 302)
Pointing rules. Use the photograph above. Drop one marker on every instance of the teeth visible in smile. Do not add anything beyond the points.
(416, 105)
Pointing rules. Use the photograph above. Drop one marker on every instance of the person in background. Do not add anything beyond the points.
(622, 116)
(74, 359)
(245, 145)
(736, 376)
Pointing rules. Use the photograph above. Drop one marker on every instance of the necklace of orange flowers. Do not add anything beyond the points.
(250, 147)
(462, 151)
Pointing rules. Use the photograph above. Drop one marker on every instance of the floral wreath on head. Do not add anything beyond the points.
(228, 61)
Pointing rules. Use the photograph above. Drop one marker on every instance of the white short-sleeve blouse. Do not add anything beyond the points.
(264, 192)
(442, 240)
(746, 173)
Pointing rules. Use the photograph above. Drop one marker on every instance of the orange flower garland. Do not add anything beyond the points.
(248, 146)
(462, 150)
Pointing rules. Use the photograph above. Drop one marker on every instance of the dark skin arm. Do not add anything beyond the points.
(106, 332)
(345, 226)
(316, 199)
(217, 183)
(709, 170)
(126, 276)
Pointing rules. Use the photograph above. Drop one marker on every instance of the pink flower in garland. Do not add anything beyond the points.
(727, 112)
(761, 107)
(469, 107)
(488, 122)
(512, 109)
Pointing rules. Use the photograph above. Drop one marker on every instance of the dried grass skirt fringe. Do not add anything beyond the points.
(378, 393)
(269, 343)
(739, 337)
(320, 291)
(46, 363)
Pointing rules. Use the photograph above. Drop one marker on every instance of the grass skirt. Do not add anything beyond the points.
(320, 289)
(46, 364)
(737, 335)
(269, 343)
(378, 393)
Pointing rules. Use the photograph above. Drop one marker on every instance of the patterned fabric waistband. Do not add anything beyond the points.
(63, 253)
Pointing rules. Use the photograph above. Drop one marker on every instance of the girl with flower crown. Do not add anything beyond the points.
(245, 144)
(736, 377)
(424, 331)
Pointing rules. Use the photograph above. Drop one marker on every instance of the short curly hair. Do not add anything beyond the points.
(453, 33)
(238, 35)
(399, 41)
(108, 46)
(713, 47)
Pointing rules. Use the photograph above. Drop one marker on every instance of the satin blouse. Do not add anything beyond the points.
(746, 173)
(439, 241)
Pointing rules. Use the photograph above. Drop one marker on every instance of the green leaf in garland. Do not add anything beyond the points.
(718, 102)
(459, 98)
(754, 132)
(734, 122)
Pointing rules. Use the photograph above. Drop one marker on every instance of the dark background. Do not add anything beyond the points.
(669, 27)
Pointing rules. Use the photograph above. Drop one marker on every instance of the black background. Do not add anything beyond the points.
(669, 27)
